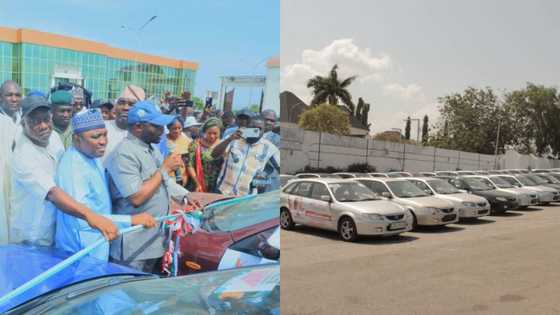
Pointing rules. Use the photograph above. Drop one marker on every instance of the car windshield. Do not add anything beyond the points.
(254, 290)
(238, 213)
(537, 179)
(352, 192)
(478, 183)
(510, 180)
(551, 179)
(500, 182)
(526, 180)
(405, 189)
(442, 187)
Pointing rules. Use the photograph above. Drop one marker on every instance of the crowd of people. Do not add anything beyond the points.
(73, 170)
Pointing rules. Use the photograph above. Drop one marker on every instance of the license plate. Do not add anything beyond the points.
(482, 211)
(397, 225)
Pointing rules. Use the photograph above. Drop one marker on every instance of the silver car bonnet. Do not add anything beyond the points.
(424, 202)
(384, 207)
(462, 197)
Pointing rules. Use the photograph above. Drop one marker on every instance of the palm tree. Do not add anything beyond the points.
(330, 89)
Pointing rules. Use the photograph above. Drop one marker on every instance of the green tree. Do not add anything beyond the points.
(533, 119)
(471, 122)
(425, 130)
(198, 103)
(330, 89)
(407, 129)
(325, 118)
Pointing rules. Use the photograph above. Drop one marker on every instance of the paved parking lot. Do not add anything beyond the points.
(507, 264)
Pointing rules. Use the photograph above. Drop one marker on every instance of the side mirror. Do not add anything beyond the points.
(387, 194)
(326, 198)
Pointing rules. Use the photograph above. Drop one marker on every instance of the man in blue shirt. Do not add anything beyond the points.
(82, 176)
(243, 118)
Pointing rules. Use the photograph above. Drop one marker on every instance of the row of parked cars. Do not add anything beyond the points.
(386, 204)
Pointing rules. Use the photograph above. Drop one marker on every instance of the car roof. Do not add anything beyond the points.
(325, 180)
(21, 263)
(385, 179)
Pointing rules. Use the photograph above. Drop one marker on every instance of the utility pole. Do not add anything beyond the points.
(496, 148)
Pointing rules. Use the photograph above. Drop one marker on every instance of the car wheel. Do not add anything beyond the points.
(286, 221)
(347, 229)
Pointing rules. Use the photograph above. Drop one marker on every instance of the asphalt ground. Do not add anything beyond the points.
(506, 264)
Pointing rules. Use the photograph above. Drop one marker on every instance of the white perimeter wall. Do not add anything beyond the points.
(301, 148)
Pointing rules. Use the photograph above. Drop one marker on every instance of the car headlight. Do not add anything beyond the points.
(469, 204)
(502, 199)
(432, 210)
(372, 216)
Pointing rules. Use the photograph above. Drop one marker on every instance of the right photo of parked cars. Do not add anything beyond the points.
(357, 205)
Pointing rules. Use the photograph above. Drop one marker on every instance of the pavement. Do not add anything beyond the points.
(507, 264)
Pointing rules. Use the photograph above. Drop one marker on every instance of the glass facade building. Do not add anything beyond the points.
(38, 61)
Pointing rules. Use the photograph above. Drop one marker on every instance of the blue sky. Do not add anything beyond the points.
(225, 37)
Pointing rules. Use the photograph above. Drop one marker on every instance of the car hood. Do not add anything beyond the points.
(460, 197)
(428, 201)
(19, 264)
(375, 206)
(541, 188)
(493, 193)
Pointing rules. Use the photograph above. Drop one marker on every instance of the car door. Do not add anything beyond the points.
(319, 211)
(298, 200)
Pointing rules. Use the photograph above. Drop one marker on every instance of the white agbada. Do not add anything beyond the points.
(114, 136)
(33, 169)
(8, 131)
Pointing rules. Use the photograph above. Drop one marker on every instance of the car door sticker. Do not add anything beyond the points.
(317, 215)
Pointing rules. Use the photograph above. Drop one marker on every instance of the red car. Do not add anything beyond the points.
(238, 224)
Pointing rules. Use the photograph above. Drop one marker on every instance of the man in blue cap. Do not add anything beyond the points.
(35, 195)
(140, 184)
(82, 176)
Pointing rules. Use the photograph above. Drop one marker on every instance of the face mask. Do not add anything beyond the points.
(252, 140)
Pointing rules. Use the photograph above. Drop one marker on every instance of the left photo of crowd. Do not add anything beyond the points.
(139, 157)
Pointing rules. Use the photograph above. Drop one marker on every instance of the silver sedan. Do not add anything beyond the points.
(341, 205)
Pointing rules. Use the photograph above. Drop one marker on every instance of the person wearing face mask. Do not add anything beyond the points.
(117, 128)
(140, 183)
(10, 116)
(192, 127)
(35, 195)
(62, 109)
(246, 155)
(81, 175)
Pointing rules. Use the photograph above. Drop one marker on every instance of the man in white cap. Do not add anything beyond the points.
(117, 128)
(34, 192)
(81, 175)
(191, 127)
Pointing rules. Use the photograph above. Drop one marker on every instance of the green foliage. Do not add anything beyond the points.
(254, 108)
(325, 118)
(198, 103)
(527, 120)
(425, 130)
(407, 129)
(330, 89)
(361, 168)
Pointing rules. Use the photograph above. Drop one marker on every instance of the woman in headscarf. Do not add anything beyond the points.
(203, 169)
(178, 143)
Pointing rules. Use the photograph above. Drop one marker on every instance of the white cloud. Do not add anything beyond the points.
(379, 82)
(351, 59)
(408, 92)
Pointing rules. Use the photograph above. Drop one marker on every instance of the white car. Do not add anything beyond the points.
(341, 205)
(427, 209)
(545, 194)
(525, 197)
(399, 174)
(469, 205)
